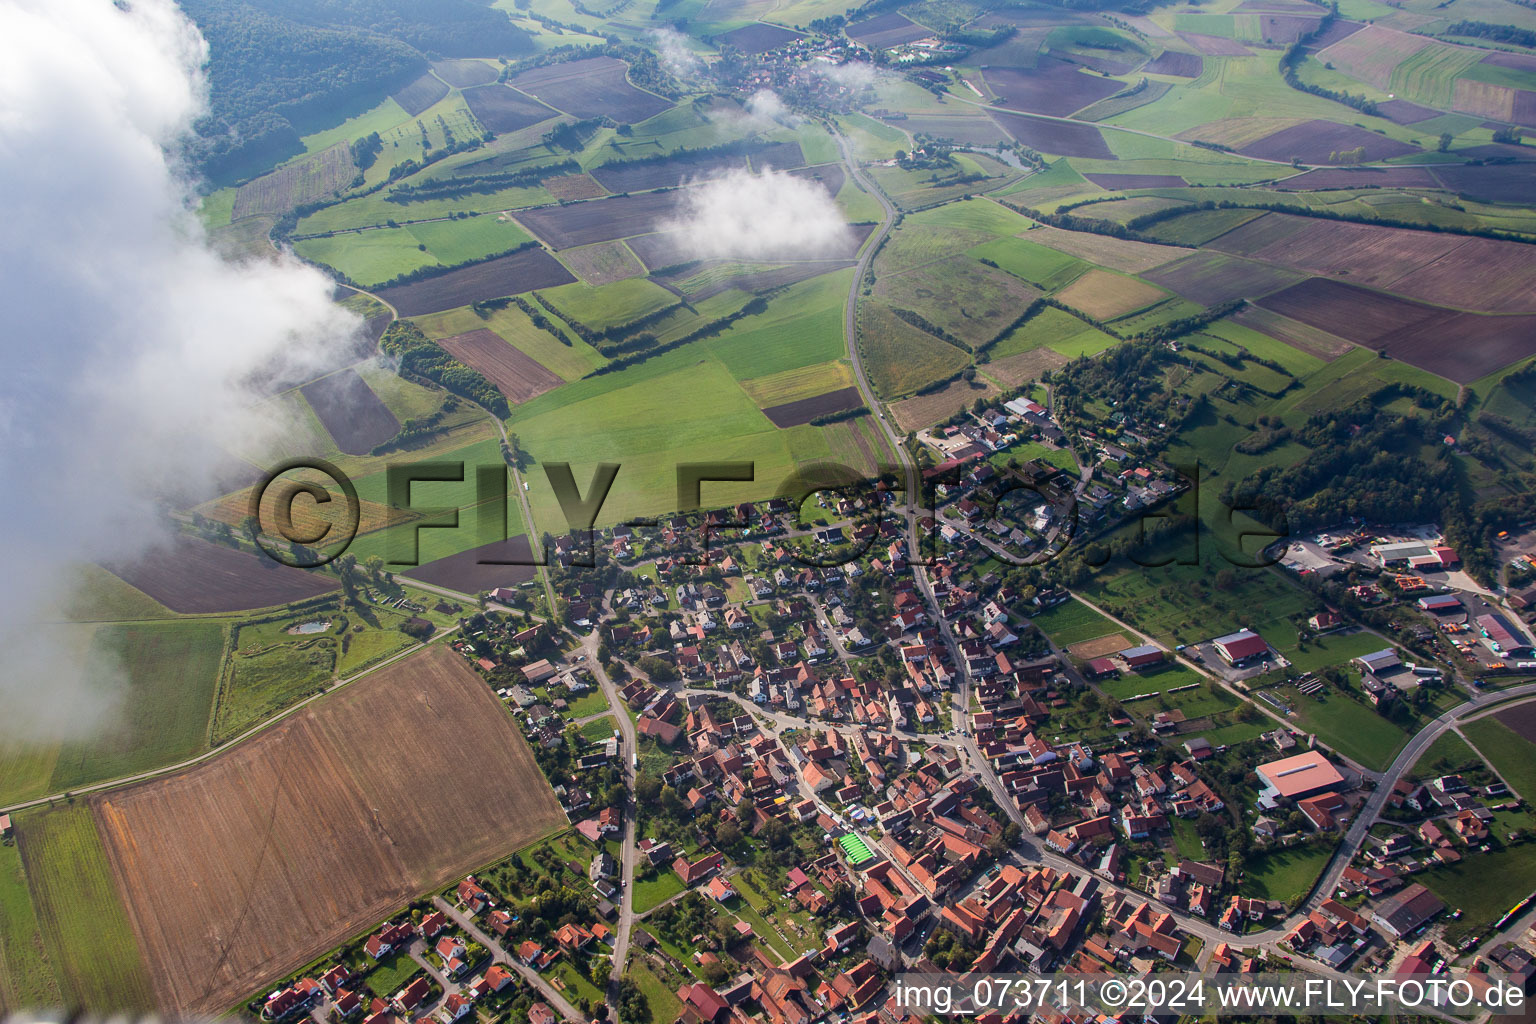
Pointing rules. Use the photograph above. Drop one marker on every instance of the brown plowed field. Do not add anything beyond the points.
(192, 576)
(1062, 138)
(758, 38)
(1321, 142)
(506, 275)
(504, 110)
(1458, 346)
(470, 572)
(1522, 720)
(516, 375)
(421, 94)
(793, 414)
(247, 866)
(1474, 273)
(592, 87)
(1099, 647)
(349, 410)
(886, 30)
(463, 74)
(1052, 87)
(601, 220)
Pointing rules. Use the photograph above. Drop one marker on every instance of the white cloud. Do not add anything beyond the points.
(765, 107)
(128, 343)
(772, 215)
(676, 56)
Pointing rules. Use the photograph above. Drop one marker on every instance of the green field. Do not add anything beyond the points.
(1284, 875)
(26, 976)
(1349, 726)
(1509, 753)
(1449, 753)
(901, 358)
(172, 672)
(1072, 622)
(1465, 885)
(85, 931)
(1057, 330)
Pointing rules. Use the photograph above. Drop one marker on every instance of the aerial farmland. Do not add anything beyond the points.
(667, 510)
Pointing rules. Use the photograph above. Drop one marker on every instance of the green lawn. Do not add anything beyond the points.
(1465, 885)
(390, 974)
(1072, 621)
(660, 998)
(1284, 875)
(1449, 753)
(654, 892)
(85, 929)
(1510, 754)
(1352, 728)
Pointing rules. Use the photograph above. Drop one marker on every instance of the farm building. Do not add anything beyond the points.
(1241, 647)
(1500, 635)
(1098, 668)
(1297, 777)
(1401, 553)
(1143, 656)
(1403, 912)
(1442, 604)
(1380, 662)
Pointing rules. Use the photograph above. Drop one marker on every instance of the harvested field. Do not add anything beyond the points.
(782, 156)
(886, 30)
(421, 94)
(639, 177)
(569, 187)
(1323, 142)
(1340, 29)
(504, 110)
(1215, 46)
(1054, 86)
(247, 866)
(1500, 102)
(1359, 177)
(830, 176)
(465, 74)
(792, 414)
(515, 375)
(758, 38)
(602, 263)
(192, 576)
(791, 273)
(921, 411)
(1099, 647)
(1059, 137)
(1121, 254)
(600, 220)
(470, 572)
(1015, 370)
(801, 382)
(506, 275)
(1372, 53)
(1455, 270)
(351, 412)
(1116, 182)
(1172, 62)
(1403, 112)
(591, 87)
(1293, 332)
(1103, 295)
(1498, 183)
(1211, 278)
(1286, 28)
(900, 358)
(1410, 331)
(304, 181)
(971, 131)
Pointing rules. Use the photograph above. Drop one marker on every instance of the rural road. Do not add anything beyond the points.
(499, 954)
(627, 853)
